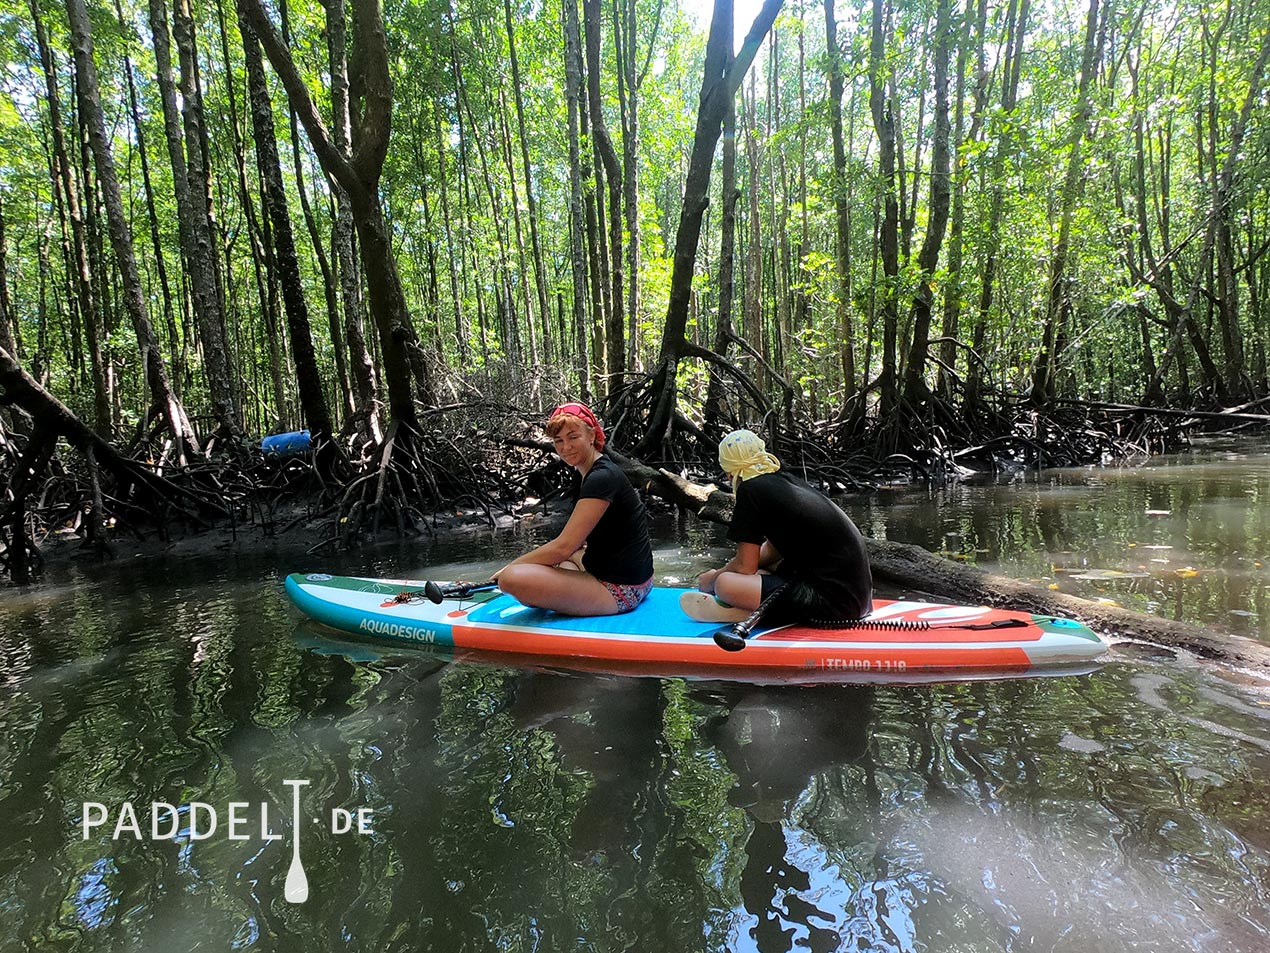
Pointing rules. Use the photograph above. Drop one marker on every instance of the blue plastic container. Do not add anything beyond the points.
(287, 444)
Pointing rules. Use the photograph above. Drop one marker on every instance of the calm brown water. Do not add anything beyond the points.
(510, 809)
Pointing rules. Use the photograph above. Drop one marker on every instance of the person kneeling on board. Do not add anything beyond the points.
(602, 561)
(787, 534)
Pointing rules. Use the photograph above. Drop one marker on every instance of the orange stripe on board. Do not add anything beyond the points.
(937, 633)
(756, 655)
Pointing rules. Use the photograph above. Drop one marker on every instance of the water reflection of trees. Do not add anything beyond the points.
(588, 812)
(520, 810)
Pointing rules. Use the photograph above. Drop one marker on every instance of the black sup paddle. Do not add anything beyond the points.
(455, 590)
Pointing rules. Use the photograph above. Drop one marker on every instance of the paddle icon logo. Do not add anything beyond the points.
(200, 821)
(297, 886)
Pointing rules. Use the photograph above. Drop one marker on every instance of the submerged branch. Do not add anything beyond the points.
(914, 567)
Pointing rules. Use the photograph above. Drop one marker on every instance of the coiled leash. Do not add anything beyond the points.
(912, 625)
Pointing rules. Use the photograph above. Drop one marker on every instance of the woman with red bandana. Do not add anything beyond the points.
(606, 536)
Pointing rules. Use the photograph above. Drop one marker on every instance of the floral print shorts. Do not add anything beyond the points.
(628, 597)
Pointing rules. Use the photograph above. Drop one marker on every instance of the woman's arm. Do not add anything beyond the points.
(586, 513)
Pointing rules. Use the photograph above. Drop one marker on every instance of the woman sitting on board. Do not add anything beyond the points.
(786, 532)
(602, 561)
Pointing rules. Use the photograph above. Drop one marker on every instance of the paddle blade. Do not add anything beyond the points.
(296, 888)
(433, 592)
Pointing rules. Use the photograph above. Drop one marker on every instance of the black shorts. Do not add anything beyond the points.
(798, 603)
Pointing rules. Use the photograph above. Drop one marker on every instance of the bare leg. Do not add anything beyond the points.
(567, 591)
(739, 589)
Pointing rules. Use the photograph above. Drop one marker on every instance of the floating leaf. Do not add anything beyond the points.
(1187, 572)
(1053, 585)
(1107, 575)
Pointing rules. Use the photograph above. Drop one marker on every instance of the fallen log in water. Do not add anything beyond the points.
(913, 567)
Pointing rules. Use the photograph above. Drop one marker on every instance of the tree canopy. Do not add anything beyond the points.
(939, 206)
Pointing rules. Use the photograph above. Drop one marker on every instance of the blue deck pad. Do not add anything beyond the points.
(659, 614)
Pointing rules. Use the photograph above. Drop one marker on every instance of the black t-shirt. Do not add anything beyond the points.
(618, 549)
(818, 543)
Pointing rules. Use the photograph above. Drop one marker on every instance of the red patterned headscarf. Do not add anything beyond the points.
(586, 415)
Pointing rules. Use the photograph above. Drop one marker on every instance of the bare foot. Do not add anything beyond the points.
(703, 607)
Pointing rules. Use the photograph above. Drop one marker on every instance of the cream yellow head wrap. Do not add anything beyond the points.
(743, 455)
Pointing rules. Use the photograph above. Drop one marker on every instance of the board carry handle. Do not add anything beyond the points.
(455, 590)
(732, 638)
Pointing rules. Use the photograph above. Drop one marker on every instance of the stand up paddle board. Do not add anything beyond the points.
(900, 637)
